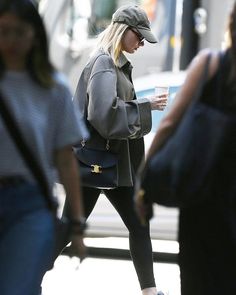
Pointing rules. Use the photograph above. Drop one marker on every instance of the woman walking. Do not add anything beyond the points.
(114, 114)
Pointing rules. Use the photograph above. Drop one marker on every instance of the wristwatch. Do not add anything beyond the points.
(78, 225)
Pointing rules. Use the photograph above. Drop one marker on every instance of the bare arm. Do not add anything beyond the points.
(69, 177)
(173, 117)
(183, 99)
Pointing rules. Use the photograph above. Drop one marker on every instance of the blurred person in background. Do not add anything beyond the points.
(41, 104)
(207, 231)
(113, 113)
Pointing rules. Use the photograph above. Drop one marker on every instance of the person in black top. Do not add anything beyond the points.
(207, 231)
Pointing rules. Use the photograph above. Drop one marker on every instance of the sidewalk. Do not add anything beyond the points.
(106, 276)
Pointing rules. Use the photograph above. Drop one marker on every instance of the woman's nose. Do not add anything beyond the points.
(141, 43)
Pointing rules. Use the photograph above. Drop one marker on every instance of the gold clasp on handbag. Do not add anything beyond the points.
(96, 169)
(83, 143)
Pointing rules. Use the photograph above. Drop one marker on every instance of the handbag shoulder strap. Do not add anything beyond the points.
(81, 88)
(81, 91)
(27, 154)
(217, 89)
(220, 79)
(203, 79)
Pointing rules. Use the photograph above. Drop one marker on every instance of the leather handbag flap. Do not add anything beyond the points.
(90, 157)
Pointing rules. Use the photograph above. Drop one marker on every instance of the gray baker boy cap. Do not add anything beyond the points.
(136, 17)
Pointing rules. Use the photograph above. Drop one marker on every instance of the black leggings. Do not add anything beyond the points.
(139, 236)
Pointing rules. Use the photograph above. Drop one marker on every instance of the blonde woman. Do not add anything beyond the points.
(113, 113)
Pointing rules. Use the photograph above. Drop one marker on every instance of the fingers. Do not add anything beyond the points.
(158, 104)
(80, 252)
(77, 248)
(83, 255)
(161, 100)
(161, 105)
(165, 96)
(140, 206)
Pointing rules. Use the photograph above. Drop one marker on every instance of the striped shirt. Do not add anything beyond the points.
(47, 119)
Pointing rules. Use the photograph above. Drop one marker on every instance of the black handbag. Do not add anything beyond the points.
(62, 225)
(183, 172)
(98, 168)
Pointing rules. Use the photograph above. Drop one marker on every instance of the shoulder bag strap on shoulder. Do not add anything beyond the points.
(203, 78)
(27, 154)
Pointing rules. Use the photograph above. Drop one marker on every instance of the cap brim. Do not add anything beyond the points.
(148, 35)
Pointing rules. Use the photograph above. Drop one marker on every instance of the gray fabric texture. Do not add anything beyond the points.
(46, 118)
(113, 112)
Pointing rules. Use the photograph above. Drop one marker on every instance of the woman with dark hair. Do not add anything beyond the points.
(41, 104)
(207, 231)
(37, 61)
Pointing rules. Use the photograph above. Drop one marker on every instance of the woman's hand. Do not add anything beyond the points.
(140, 206)
(158, 102)
(77, 247)
(143, 207)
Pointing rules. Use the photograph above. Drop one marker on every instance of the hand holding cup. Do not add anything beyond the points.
(159, 100)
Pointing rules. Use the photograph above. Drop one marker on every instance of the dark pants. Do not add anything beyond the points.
(26, 239)
(139, 237)
(207, 237)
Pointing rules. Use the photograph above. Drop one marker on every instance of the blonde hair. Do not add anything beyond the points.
(110, 40)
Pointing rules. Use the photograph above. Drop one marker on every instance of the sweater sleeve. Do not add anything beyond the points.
(109, 114)
(69, 124)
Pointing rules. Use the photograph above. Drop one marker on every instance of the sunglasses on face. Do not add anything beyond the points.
(139, 36)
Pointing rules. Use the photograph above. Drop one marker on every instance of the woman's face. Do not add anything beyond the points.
(131, 40)
(16, 41)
